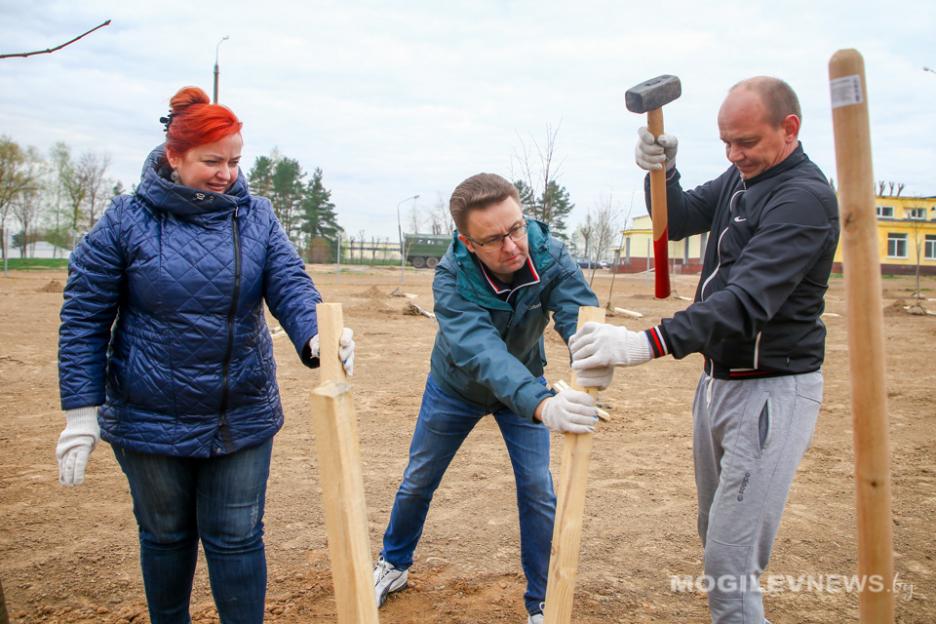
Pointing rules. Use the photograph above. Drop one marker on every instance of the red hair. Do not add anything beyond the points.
(196, 121)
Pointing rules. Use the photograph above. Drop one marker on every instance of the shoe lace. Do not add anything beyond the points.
(384, 567)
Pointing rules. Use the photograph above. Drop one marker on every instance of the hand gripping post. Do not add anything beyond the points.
(570, 507)
(334, 424)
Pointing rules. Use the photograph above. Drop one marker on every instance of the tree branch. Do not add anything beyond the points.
(56, 48)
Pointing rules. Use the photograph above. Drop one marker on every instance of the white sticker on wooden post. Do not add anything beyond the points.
(339, 458)
(570, 508)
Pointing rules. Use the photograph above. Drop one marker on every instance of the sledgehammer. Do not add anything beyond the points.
(649, 97)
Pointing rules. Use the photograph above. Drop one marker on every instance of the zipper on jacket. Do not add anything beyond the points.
(223, 426)
(718, 244)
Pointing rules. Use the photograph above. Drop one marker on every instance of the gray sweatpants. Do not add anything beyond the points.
(749, 437)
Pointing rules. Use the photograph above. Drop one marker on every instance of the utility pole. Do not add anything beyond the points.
(223, 39)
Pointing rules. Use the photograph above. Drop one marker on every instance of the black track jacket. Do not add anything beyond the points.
(766, 269)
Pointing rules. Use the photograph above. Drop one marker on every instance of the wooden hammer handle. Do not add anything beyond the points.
(658, 214)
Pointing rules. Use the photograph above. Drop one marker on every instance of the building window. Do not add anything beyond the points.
(929, 251)
(885, 212)
(916, 213)
(896, 245)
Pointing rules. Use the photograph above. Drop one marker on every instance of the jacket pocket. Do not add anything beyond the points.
(116, 370)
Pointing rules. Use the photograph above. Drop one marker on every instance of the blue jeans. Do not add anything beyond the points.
(444, 422)
(179, 500)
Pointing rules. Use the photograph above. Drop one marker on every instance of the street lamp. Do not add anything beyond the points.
(400, 232)
(217, 47)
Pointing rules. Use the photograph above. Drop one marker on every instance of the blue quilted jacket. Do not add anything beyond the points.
(163, 325)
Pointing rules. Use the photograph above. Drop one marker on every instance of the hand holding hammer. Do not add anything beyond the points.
(653, 150)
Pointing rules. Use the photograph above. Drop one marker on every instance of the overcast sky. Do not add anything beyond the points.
(392, 99)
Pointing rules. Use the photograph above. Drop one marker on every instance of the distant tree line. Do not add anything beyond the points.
(54, 197)
(58, 197)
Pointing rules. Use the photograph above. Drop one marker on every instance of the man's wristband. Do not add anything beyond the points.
(658, 342)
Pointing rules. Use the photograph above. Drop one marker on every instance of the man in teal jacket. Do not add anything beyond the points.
(494, 290)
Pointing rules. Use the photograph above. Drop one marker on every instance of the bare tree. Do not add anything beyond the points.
(542, 196)
(586, 232)
(441, 218)
(605, 228)
(92, 167)
(917, 227)
(74, 187)
(26, 210)
(415, 219)
(18, 175)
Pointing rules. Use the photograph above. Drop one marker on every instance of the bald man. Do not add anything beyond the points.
(773, 220)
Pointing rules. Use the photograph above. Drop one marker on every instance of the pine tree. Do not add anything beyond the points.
(260, 177)
(555, 206)
(527, 199)
(318, 212)
(280, 180)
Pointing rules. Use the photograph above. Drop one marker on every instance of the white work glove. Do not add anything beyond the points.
(345, 349)
(652, 153)
(596, 377)
(598, 345)
(75, 444)
(571, 411)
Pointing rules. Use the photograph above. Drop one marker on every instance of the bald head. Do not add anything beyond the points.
(777, 96)
(759, 124)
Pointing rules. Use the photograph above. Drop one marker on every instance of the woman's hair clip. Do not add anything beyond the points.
(166, 121)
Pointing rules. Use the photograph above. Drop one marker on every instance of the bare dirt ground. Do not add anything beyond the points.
(70, 555)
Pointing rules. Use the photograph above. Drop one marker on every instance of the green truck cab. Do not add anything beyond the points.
(425, 250)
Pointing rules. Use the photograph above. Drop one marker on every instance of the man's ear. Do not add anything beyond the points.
(466, 243)
(791, 127)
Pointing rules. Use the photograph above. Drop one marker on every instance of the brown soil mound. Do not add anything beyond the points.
(53, 286)
(371, 293)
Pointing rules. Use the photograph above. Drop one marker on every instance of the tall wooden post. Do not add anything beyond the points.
(865, 335)
(339, 457)
(570, 507)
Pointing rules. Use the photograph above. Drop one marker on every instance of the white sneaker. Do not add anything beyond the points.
(387, 579)
(536, 619)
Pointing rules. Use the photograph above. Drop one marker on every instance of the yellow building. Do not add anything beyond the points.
(636, 252)
(906, 233)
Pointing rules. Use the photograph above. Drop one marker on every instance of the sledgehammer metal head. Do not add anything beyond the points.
(652, 94)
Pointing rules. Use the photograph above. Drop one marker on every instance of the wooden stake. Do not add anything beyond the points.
(339, 457)
(865, 336)
(4, 618)
(570, 507)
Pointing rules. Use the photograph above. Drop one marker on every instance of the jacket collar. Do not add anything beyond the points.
(796, 157)
(523, 277)
(473, 285)
(157, 190)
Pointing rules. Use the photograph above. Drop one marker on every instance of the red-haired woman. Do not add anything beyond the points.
(165, 354)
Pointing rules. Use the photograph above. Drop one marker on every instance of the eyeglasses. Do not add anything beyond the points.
(516, 234)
